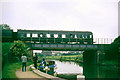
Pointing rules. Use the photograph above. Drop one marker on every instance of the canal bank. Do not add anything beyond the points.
(70, 70)
(79, 59)
(72, 58)
(44, 75)
(108, 69)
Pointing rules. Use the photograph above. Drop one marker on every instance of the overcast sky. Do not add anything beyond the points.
(97, 16)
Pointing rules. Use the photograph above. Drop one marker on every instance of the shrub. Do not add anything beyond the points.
(18, 48)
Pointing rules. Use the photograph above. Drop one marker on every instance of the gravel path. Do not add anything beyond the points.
(28, 74)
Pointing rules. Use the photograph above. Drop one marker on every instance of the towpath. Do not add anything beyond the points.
(28, 74)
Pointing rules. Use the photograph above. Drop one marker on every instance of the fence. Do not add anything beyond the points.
(7, 58)
(103, 40)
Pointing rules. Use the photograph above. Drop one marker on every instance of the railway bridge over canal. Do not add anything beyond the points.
(64, 41)
(90, 55)
(61, 41)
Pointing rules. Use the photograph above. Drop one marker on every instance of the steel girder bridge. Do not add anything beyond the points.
(60, 41)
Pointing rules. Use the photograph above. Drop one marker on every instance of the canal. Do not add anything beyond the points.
(89, 71)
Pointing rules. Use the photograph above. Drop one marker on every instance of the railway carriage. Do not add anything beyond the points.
(47, 36)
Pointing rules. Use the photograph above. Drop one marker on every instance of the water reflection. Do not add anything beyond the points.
(68, 68)
(89, 71)
(94, 71)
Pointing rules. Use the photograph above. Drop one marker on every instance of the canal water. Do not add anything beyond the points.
(89, 71)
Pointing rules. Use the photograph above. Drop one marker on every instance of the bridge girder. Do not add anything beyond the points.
(67, 47)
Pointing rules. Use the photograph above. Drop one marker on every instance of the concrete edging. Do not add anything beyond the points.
(42, 74)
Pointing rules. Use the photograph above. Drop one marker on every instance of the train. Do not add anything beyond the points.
(48, 36)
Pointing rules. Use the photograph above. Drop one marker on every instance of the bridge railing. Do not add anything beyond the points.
(103, 40)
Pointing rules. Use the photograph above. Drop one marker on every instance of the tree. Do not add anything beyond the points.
(113, 53)
(4, 26)
(18, 48)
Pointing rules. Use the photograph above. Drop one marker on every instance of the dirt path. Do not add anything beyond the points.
(28, 74)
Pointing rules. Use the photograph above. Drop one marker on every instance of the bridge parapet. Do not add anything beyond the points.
(103, 40)
(65, 47)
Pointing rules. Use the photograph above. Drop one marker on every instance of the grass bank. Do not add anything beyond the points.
(66, 58)
(10, 69)
(67, 76)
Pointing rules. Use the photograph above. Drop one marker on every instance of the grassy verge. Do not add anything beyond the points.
(66, 58)
(10, 69)
(68, 77)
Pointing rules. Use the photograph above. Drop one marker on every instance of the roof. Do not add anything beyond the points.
(54, 31)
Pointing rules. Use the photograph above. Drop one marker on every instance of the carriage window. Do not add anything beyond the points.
(48, 35)
(75, 36)
(63, 36)
(85, 35)
(28, 35)
(34, 35)
(90, 36)
(41, 35)
(70, 35)
(55, 35)
(82, 36)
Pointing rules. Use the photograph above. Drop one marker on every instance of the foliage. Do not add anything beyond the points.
(40, 55)
(110, 63)
(113, 53)
(4, 26)
(66, 57)
(18, 48)
(6, 47)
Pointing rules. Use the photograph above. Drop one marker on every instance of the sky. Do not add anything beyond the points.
(97, 16)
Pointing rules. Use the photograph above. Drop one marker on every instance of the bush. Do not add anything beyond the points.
(113, 53)
(18, 48)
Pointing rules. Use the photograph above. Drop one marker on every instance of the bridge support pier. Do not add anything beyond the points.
(91, 71)
(90, 57)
